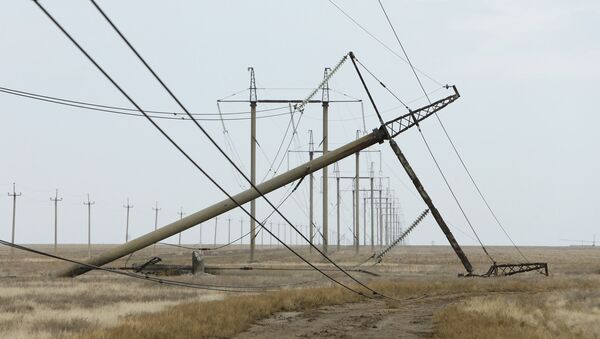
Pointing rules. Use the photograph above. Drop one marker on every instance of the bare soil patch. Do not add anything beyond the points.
(368, 319)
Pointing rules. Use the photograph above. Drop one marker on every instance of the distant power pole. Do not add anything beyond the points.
(228, 230)
(271, 236)
(357, 198)
(89, 204)
(55, 200)
(311, 148)
(155, 209)
(262, 236)
(181, 214)
(14, 195)
(128, 207)
(241, 231)
(337, 204)
(200, 231)
(215, 240)
(278, 229)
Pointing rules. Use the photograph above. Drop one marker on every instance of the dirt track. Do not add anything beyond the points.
(370, 319)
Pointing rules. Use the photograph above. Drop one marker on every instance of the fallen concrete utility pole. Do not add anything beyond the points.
(396, 127)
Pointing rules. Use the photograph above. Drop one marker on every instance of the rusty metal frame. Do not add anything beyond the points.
(511, 269)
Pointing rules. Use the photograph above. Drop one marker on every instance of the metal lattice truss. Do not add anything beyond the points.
(379, 256)
(510, 269)
(404, 122)
(325, 82)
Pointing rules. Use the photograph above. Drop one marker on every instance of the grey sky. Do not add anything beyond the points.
(526, 123)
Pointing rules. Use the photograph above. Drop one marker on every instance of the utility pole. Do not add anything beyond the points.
(14, 195)
(325, 99)
(396, 127)
(262, 237)
(200, 231)
(155, 209)
(364, 219)
(393, 223)
(387, 219)
(372, 174)
(270, 236)
(278, 229)
(377, 228)
(215, 238)
(356, 198)
(337, 204)
(56, 199)
(380, 214)
(128, 207)
(181, 214)
(89, 208)
(354, 215)
(311, 150)
(253, 98)
(228, 230)
(241, 231)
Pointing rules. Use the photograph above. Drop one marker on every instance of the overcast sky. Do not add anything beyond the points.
(525, 124)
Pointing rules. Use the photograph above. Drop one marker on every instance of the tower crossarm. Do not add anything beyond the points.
(406, 121)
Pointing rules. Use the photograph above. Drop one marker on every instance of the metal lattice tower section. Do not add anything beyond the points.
(253, 99)
(325, 91)
(252, 88)
(325, 142)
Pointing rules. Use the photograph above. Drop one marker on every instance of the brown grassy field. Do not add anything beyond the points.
(102, 305)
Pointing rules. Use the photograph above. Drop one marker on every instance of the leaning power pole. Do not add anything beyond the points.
(325, 99)
(156, 209)
(89, 204)
(253, 98)
(384, 133)
(55, 199)
(14, 195)
(127, 207)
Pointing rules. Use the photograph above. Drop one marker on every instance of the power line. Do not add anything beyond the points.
(78, 102)
(379, 40)
(108, 77)
(454, 196)
(222, 288)
(447, 134)
(126, 111)
(299, 107)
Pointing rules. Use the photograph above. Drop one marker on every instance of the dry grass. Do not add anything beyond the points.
(233, 315)
(102, 305)
(559, 314)
(223, 318)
